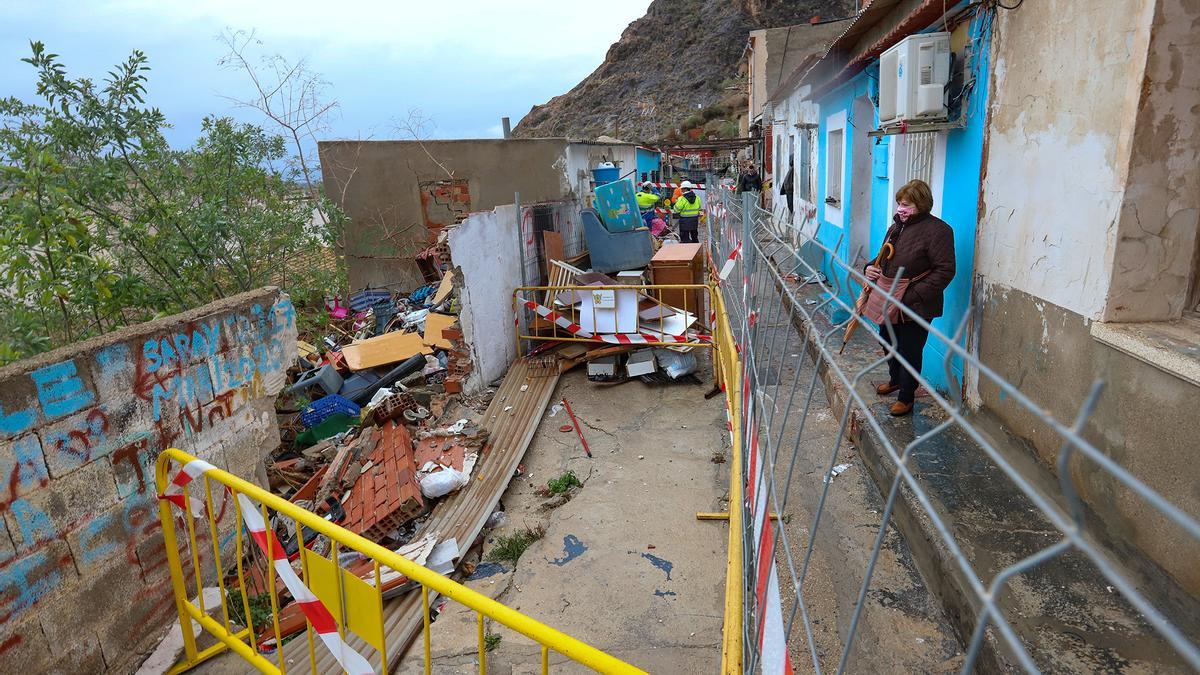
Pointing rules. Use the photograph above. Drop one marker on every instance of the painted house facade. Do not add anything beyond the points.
(1069, 170)
(845, 171)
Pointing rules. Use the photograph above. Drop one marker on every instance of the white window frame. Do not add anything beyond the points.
(834, 123)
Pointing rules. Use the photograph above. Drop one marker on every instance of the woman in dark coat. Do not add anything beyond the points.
(924, 246)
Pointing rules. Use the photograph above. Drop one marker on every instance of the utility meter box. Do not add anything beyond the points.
(912, 80)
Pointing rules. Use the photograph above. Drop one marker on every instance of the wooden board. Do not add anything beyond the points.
(434, 323)
(384, 349)
(676, 253)
(443, 289)
(552, 246)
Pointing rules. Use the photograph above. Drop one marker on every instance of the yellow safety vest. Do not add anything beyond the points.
(646, 200)
(684, 208)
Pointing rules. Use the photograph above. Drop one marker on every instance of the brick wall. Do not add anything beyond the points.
(84, 585)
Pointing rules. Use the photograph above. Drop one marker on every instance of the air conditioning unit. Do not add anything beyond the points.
(912, 79)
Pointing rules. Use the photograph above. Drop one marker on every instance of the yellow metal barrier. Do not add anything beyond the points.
(356, 604)
(729, 376)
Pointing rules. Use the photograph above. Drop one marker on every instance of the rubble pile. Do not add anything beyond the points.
(374, 435)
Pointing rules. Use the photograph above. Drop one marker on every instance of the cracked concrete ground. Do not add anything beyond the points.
(624, 565)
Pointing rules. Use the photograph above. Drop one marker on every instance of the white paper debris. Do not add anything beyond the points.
(837, 470)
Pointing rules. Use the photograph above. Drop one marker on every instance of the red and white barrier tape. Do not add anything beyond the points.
(727, 268)
(611, 338)
(314, 610)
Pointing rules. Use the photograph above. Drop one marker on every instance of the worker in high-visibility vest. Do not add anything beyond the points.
(647, 199)
(688, 208)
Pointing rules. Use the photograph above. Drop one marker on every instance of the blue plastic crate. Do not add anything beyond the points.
(318, 410)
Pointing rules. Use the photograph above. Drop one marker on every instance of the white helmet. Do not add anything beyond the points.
(687, 185)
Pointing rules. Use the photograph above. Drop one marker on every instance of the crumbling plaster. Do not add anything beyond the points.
(1066, 82)
(1156, 232)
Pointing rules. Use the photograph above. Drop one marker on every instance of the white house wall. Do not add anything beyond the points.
(1065, 86)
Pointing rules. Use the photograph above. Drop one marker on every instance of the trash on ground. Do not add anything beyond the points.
(837, 470)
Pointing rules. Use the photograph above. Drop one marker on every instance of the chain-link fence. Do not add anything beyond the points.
(788, 293)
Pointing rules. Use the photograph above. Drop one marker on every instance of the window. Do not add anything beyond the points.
(834, 150)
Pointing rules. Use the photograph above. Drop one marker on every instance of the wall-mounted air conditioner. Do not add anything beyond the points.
(912, 79)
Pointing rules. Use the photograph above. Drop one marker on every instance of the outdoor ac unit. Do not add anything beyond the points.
(912, 79)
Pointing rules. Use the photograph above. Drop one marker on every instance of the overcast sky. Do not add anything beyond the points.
(463, 64)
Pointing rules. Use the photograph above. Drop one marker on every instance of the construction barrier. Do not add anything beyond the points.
(772, 301)
(678, 314)
(335, 602)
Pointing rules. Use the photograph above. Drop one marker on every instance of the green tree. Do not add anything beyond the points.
(107, 225)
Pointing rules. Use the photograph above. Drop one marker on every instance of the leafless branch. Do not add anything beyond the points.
(289, 95)
(414, 126)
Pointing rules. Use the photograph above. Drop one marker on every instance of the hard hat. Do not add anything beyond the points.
(687, 185)
(647, 184)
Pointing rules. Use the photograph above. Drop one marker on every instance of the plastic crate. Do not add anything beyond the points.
(322, 408)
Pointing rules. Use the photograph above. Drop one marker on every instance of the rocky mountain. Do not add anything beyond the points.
(679, 58)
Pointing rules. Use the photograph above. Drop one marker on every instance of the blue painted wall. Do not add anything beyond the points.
(647, 161)
(960, 194)
(960, 208)
(830, 234)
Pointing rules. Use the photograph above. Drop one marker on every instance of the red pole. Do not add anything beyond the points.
(578, 430)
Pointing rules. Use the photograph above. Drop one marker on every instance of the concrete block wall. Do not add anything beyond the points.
(84, 585)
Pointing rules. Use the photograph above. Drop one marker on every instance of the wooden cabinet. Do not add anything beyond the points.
(680, 264)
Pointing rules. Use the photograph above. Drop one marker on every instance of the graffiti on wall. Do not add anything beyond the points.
(79, 438)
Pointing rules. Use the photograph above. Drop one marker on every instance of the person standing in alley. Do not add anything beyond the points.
(923, 246)
(750, 180)
(688, 208)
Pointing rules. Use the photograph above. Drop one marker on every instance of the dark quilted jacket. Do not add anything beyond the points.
(926, 243)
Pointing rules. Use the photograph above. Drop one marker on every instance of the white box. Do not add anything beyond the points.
(603, 367)
(641, 362)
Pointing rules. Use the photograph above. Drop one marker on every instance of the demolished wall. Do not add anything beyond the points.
(486, 260)
(399, 194)
(84, 584)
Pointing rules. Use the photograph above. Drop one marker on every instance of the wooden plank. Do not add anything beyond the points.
(552, 246)
(382, 350)
(443, 288)
(434, 323)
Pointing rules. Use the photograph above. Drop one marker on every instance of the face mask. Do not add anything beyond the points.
(905, 212)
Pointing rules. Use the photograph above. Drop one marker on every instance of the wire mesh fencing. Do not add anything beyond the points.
(787, 291)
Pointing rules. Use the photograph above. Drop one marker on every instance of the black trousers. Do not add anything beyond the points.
(910, 343)
(689, 229)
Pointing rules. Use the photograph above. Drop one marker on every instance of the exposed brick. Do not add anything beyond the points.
(452, 385)
(453, 333)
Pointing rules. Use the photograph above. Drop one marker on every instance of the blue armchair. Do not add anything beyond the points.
(615, 251)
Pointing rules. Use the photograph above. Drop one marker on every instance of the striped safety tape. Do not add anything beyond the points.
(314, 610)
(727, 268)
(611, 338)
